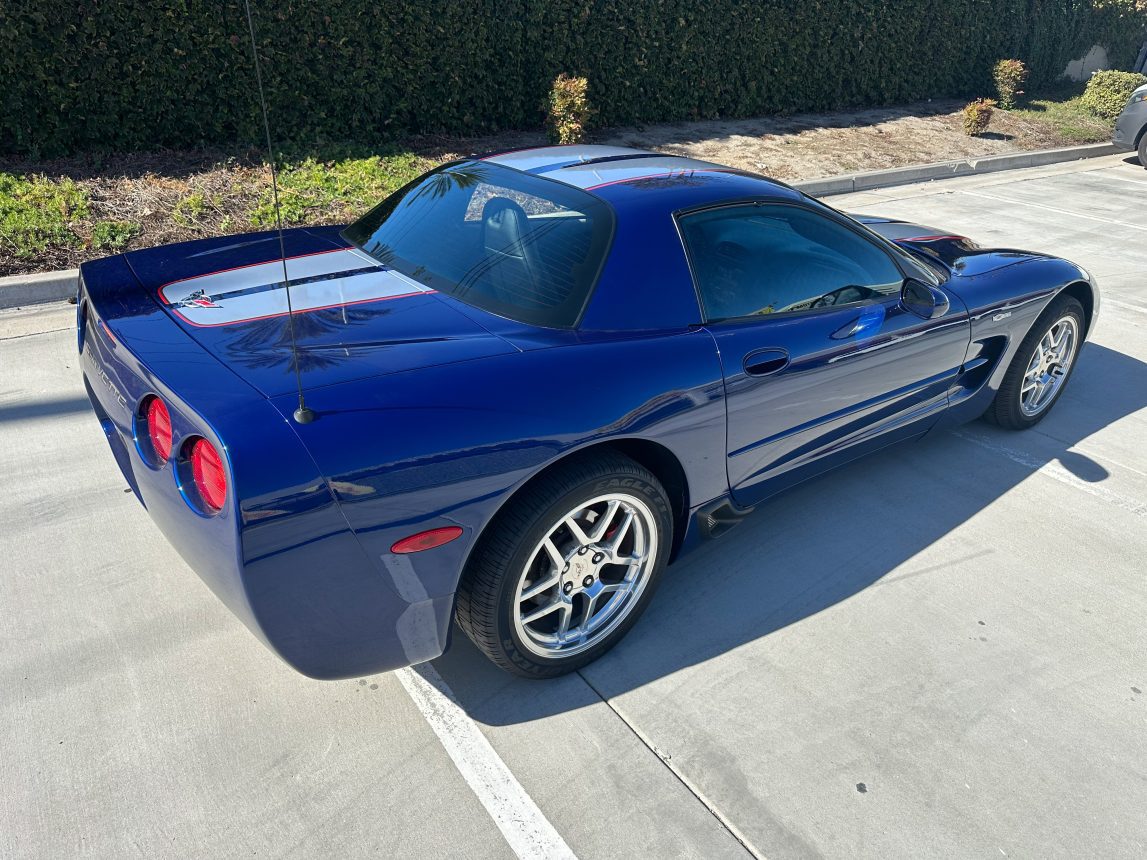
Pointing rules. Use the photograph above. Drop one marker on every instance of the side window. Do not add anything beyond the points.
(752, 260)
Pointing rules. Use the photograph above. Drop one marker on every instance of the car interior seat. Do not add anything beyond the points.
(512, 268)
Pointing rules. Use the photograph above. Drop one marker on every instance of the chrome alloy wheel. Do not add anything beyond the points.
(1049, 366)
(585, 576)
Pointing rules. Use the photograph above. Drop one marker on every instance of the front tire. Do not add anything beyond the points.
(1143, 149)
(1041, 367)
(565, 570)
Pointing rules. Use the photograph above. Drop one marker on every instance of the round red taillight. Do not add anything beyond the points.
(159, 428)
(209, 475)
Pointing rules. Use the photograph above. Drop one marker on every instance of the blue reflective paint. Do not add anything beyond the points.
(432, 413)
(135, 438)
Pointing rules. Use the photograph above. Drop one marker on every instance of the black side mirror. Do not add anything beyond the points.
(924, 301)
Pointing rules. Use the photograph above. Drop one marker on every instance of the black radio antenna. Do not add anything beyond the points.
(302, 415)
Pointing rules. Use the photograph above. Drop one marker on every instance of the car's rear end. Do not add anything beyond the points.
(228, 482)
(153, 433)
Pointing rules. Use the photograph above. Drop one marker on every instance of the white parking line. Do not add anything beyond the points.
(1058, 472)
(1124, 305)
(1052, 209)
(1107, 177)
(524, 826)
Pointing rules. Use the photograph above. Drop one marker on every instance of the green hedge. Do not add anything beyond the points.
(106, 74)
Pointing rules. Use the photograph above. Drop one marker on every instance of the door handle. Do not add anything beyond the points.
(765, 362)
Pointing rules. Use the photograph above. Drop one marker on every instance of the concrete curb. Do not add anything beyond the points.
(21, 290)
(850, 182)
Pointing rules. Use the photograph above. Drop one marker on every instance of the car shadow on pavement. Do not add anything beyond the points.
(54, 407)
(817, 545)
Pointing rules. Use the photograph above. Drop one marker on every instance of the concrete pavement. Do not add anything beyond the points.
(937, 651)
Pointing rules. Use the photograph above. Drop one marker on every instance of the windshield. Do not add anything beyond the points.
(517, 245)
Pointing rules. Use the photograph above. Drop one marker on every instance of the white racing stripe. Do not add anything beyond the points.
(327, 279)
(524, 826)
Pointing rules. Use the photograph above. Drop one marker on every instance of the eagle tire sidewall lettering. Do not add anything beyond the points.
(489, 583)
(610, 484)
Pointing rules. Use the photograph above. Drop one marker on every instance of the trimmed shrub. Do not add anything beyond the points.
(79, 75)
(568, 110)
(977, 115)
(1107, 92)
(1009, 76)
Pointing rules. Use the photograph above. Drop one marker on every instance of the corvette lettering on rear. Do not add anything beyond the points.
(106, 380)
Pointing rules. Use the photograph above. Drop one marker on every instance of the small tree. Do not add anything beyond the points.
(568, 109)
(977, 115)
(1010, 76)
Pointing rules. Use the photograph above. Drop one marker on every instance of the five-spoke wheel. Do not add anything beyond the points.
(1041, 367)
(584, 574)
(1048, 366)
(567, 566)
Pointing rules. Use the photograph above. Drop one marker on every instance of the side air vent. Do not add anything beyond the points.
(982, 360)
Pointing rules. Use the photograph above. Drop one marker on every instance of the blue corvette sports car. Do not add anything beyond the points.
(537, 377)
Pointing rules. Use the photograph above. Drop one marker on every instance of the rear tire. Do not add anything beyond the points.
(567, 567)
(1041, 367)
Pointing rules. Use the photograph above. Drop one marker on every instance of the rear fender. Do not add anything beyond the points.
(280, 554)
(447, 446)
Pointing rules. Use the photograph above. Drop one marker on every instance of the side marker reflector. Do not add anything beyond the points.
(426, 540)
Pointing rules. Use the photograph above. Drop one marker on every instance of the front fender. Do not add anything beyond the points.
(1003, 304)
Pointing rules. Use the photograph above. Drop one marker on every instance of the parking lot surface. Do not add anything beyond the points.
(938, 651)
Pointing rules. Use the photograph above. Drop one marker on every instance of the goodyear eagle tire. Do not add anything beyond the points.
(1041, 368)
(569, 565)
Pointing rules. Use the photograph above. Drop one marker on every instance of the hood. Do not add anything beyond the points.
(959, 254)
(353, 318)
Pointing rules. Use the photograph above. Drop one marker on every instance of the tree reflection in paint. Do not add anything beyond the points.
(266, 344)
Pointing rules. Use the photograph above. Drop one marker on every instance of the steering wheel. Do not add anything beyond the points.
(845, 295)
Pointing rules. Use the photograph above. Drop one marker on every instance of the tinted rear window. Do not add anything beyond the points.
(517, 245)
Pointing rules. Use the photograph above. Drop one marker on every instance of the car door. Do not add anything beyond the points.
(827, 350)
